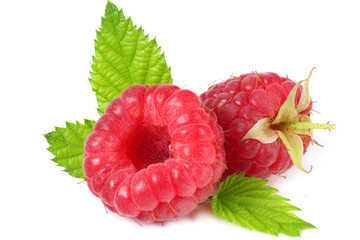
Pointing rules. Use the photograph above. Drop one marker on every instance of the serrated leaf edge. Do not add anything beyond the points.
(219, 209)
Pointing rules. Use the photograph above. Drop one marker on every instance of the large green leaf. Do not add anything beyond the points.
(248, 202)
(124, 56)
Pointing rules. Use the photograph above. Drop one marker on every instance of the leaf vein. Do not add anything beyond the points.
(147, 65)
(114, 68)
(121, 45)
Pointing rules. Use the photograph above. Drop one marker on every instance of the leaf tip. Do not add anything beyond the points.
(110, 8)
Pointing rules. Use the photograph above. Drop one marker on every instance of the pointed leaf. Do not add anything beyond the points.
(248, 202)
(67, 145)
(124, 56)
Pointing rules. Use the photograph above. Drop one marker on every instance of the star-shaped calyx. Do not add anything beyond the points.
(291, 121)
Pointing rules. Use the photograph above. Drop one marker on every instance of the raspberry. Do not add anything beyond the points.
(154, 154)
(258, 141)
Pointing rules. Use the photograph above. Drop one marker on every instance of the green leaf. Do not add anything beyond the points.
(124, 56)
(248, 202)
(67, 145)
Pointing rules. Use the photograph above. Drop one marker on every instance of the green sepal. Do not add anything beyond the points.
(305, 99)
(287, 111)
(295, 148)
(262, 132)
(67, 145)
(250, 203)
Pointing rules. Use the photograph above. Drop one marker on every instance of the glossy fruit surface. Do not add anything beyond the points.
(154, 154)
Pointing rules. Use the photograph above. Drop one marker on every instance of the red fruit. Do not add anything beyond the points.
(255, 111)
(154, 154)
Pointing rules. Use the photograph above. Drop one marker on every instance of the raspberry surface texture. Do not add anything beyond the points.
(240, 103)
(154, 154)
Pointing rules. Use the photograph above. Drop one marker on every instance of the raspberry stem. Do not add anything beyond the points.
(302, 125)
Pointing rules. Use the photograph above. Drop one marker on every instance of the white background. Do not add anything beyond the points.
(45, 54)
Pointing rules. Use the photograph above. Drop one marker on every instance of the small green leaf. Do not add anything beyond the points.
(124, 56)
(248, 202)
(67, 145)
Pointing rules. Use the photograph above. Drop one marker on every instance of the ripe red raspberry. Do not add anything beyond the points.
(154, 154)
(255, 111)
